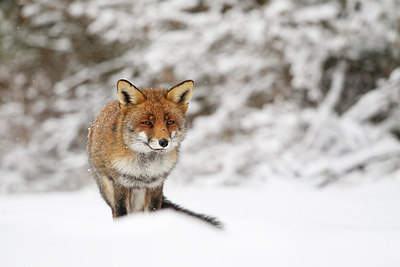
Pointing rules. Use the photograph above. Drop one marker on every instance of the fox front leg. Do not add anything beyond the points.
(133, 200)
(153, 199)
(122, 200)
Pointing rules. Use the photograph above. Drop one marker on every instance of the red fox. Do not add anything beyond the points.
(133, 146)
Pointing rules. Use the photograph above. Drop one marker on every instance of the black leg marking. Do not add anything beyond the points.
(155, 202)
(120, 194)
(120, 207)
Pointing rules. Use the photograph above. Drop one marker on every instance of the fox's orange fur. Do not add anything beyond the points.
(133, 146)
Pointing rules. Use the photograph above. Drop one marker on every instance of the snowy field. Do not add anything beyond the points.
(278, 223)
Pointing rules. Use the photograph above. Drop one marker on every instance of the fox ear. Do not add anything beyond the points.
(128, 93)
(181, 93)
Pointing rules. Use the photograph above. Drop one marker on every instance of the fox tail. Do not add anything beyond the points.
(166, 204)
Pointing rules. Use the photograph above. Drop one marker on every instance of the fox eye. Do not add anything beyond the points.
(146, 123)
(170, 122)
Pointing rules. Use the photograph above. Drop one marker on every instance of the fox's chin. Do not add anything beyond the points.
(144, 148)
(158, 150)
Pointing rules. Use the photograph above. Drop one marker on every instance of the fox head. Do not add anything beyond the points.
(153, 120)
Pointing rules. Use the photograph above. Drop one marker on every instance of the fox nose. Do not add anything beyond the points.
(163, 142)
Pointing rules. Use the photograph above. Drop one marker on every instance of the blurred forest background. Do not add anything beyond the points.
(283, 88)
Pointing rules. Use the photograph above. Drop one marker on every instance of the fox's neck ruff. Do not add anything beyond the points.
(145, 169)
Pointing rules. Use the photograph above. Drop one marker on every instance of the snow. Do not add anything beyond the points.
(317, 13)
(279, 223)
(290, 96)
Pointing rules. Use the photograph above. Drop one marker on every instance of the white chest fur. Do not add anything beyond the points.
(144, 170)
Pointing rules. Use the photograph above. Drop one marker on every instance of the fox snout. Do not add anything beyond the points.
(159, 144)
(144, 144)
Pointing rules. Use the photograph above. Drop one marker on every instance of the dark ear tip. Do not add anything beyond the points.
(123, 80)
(179, 84)
(187, 81)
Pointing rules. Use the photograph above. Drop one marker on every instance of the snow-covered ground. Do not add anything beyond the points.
(277, 223)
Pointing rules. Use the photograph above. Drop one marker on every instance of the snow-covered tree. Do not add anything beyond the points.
(285, 88)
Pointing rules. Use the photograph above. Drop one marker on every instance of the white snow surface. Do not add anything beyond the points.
(278, 223)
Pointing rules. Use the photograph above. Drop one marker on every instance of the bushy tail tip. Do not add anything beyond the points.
(166, 204)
